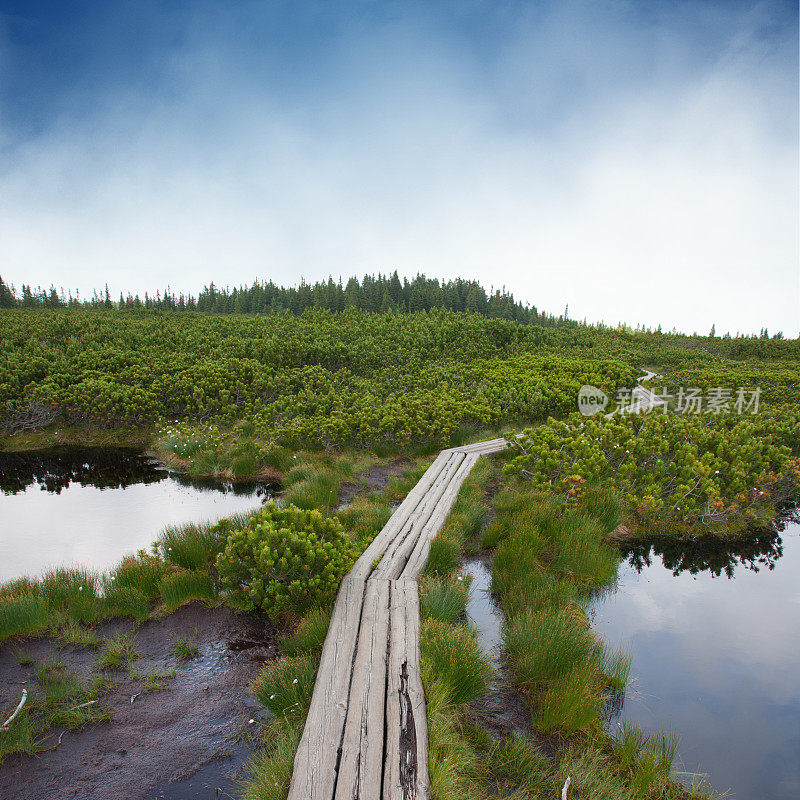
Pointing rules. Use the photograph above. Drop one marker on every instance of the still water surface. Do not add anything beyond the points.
(89, 507)
(715, 640)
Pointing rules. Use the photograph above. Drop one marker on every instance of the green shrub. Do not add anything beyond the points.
(178, 587)
(286, 684)
(309, 636)
(286, 559)
(444, 599)
(22, 614)
(453, 656)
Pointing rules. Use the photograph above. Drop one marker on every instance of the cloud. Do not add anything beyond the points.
(586, 158)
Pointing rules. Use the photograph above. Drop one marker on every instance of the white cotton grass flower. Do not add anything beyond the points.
(294, 681)
(272, 697)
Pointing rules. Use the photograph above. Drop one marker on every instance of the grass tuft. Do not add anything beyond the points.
(22, 614)
(179, 587)
(285, 685)
(309, 636)
(452, 654)
(117, 652)
(443, 599)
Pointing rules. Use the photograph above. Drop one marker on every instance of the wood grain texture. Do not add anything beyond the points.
(365, 736)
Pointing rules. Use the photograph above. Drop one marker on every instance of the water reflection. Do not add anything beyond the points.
(715, 659)
(712, 556)
(91, 506)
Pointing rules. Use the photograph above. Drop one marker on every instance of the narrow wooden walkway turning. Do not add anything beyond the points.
(366, 735)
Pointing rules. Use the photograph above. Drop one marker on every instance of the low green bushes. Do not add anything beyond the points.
(285, 559)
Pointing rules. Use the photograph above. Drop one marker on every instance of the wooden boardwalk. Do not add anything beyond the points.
(366, 735)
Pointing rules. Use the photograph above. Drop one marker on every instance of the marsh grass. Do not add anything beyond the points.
(312, 484)
(309, 635)
(73, 591)
(191, 546)
(444, 599)
(154, 680)
(270, 770)
(547, 644)
(452, 654)
(177, 588)
(22, 614)
(444, 556)
(185, 649)
(142, 572)
(285, 685)
(117, 652)
(76, 635)
(126, 601)
(571, 702)
(617, 668)
(364, 518)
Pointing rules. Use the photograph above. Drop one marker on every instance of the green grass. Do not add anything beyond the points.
(270, 770)
(77, 635)
(309, 635)
(179, 587)
(154, 681)
(285, 685)
(142, 572)
(117, 652)
(571, 702)
(617, 668)
(185, 649)
(548, 644)
(443, 599)
(364, 518)
(126, 601)
(73, 591)
(192, 547)
(452, 654)
(22, 614)
(312, 484)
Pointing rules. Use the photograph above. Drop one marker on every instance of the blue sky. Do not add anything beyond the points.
(635, 160)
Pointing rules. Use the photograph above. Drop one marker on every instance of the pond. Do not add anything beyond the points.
(714, 634)
(89, 506)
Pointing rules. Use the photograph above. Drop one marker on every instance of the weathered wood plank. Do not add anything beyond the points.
(419, 557)
(361, 765)
(366, 731)
(405, 772)
(398, 552)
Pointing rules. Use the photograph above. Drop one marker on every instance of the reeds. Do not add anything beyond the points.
(309, 635)
(444, 599)
(285, 685)
(452, 654)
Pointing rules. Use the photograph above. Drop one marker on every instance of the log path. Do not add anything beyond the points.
(366, 735)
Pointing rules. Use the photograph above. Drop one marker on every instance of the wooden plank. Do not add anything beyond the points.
(315, 764)
(318, 752)
(419, 557)
(361, 766)
(405, 773)
(397, 554)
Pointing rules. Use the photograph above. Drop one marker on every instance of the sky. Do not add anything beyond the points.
(636, 161)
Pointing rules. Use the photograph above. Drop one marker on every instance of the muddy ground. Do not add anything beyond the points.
(187, 741)
(373, 480)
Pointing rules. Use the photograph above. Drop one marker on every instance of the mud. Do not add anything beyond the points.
(187, 741)
(373, 480)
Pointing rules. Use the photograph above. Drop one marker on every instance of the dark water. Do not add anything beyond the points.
(91, 506)
(482, 612)
(714, 633)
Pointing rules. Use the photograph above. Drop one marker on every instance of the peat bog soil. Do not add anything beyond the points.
(188, 740)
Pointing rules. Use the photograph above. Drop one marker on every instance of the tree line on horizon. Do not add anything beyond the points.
(379, 294)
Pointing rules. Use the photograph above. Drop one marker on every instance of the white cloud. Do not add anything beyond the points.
(670, 200)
